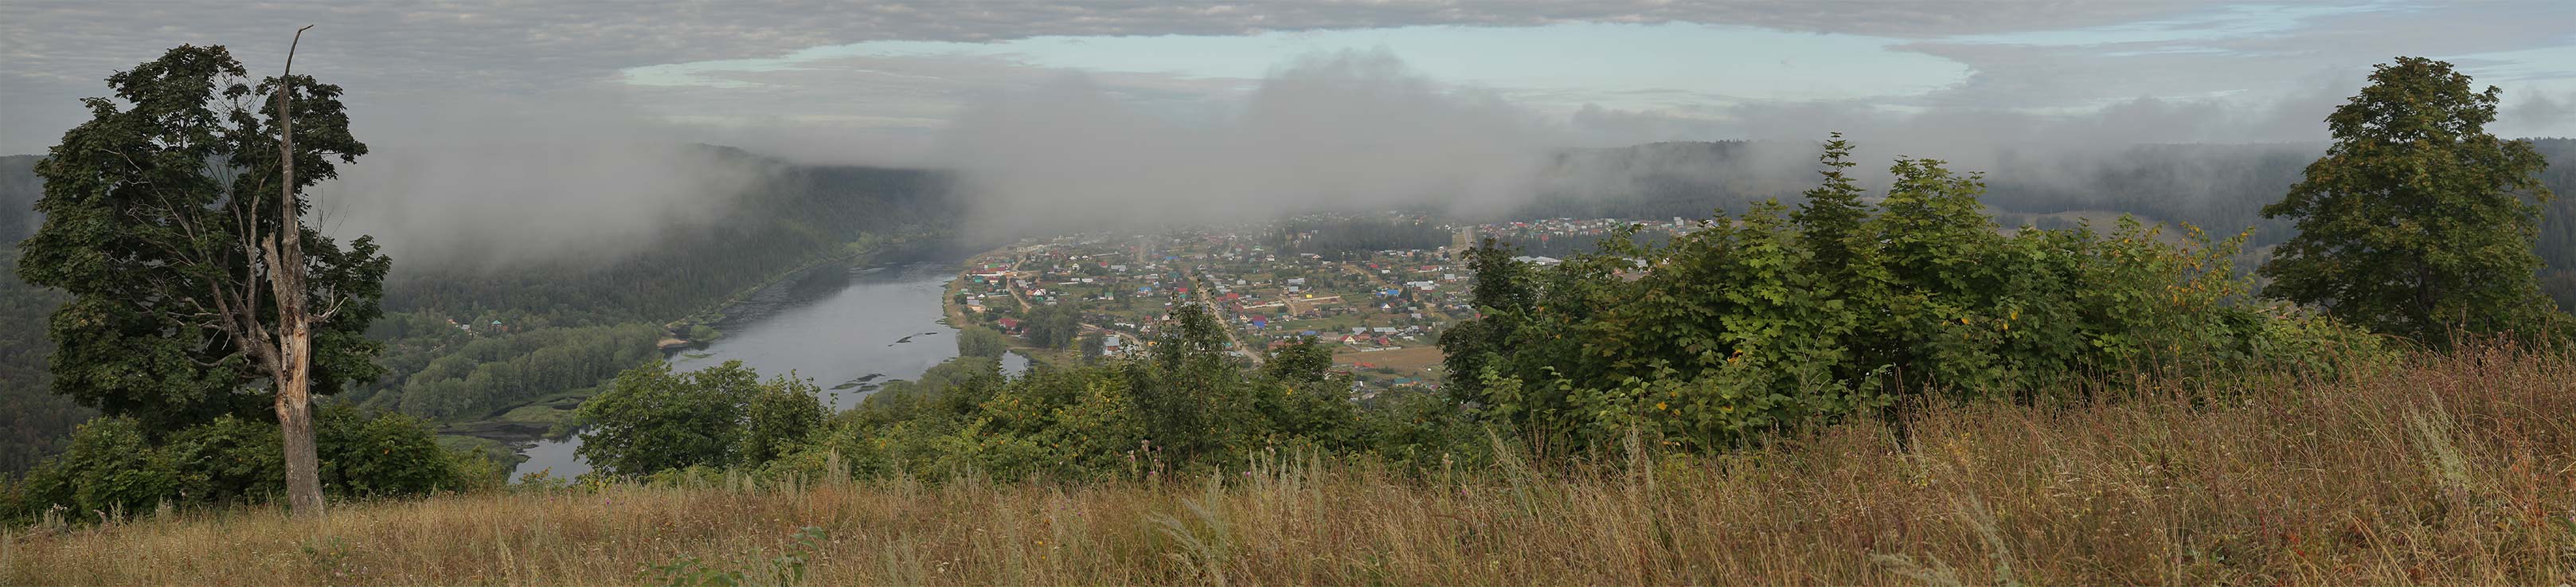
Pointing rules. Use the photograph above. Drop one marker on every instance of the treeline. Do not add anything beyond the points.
(1189, 405)
(2221, 188)
(1334, 237)
(1774, 320)
(480, 378)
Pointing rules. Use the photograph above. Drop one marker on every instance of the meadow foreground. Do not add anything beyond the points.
(2443, 469)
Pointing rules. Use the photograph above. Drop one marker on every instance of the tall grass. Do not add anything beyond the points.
(2455, 468)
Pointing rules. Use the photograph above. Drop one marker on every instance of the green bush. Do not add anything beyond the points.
(653, 419)
(111, 466)
(1189, 406)
(1772, 320)
(779, 418)
(387, 455)
(230, 460)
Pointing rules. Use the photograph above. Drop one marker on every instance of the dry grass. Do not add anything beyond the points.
(2449, 469)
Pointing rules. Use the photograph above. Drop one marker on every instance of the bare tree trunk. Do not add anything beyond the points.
(293, 374)
(295, 423)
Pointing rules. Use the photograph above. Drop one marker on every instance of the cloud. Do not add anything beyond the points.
(2546, 112)
(2204, 57)
(477, 109)
(482, 183)
(1337, 131)
(54, 51)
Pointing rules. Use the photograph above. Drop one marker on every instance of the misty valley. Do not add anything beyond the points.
(1047, 293)
(800, 268)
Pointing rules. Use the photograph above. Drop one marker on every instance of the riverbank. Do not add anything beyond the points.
(849, 329)
(869, 249)
(514, 429)
(2438, 469)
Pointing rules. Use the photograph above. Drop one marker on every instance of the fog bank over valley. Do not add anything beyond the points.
(485, 185)
(499, 183)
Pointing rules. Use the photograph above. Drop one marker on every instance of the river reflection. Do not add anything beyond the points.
(880, 324)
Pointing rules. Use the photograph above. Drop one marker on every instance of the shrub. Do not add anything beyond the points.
(231, 460)
(779, 418)
(111, 466)
(385, 455)
(1769, 320)
(652, 419)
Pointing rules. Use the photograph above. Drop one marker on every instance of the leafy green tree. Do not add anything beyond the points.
(163, 219)
(1055, 325)
(382, 455)
(780, 417)
(1504, 294)
(2417, 221)
(980, 341)
(1184, 402)
(1091, 346)
(652, 419)
(1300, 362)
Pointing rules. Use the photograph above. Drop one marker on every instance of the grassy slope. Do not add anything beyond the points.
(2454, 469)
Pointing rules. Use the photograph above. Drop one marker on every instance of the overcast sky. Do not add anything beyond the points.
(879, 81)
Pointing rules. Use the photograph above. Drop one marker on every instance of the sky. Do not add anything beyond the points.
(836, 81)
(489, 119)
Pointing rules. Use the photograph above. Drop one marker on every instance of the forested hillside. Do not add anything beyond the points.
(468, 343)
(471, 344)
(18, 190)
(33, 423)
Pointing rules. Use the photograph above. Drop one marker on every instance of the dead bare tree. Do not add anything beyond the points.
(290, 361)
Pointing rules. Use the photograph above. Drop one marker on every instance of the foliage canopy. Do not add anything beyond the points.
(2417, 221)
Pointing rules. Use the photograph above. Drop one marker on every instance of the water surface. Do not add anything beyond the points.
(838, 327)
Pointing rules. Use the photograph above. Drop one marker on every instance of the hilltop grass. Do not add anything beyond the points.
(2455, 469)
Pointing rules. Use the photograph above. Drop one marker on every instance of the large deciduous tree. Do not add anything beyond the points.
(2417, 222)
(173, 218)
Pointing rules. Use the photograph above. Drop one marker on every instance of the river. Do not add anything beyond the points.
(842, 327)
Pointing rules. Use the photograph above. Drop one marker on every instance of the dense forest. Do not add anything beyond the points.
(19, 188)
(33, 421)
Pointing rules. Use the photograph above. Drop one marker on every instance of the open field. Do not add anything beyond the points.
(1410, 361)
(2447, 469)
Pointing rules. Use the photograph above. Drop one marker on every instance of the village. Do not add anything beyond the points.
(1381, 311)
